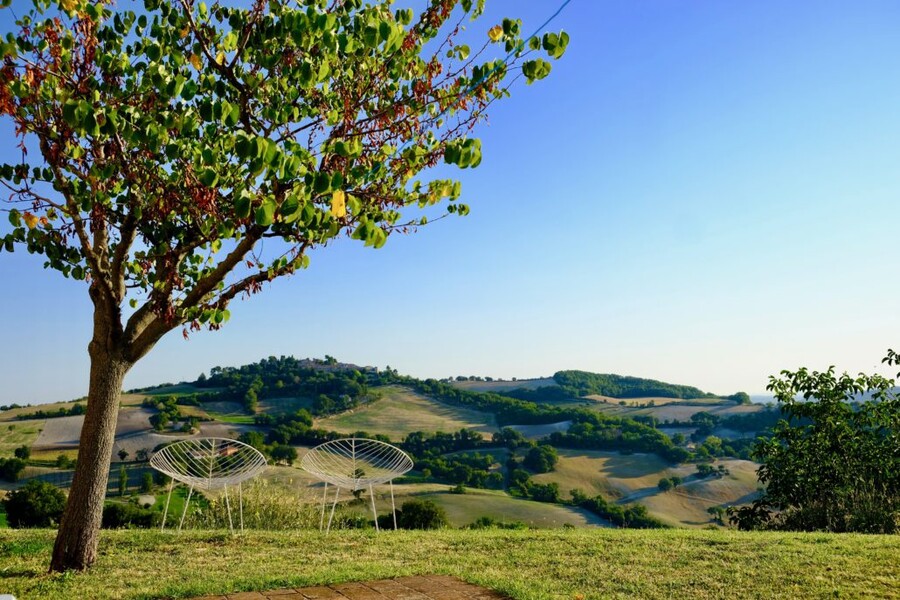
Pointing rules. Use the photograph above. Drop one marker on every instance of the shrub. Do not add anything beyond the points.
(23, 452)
(117, 515)
(11, 468)
(146, 482)
(36, 504)
(491, 523)
(419, 514)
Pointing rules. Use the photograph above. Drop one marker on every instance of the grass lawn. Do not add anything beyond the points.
(527, 565)
(400, 411)
(18, 433)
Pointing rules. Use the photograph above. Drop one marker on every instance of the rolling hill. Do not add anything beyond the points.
(269, 399)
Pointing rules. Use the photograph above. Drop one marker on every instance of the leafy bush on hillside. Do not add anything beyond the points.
(833, 463)
(117, 515)
(417, 514)
(11, 468)
(36, 504)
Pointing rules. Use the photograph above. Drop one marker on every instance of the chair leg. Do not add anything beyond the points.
(186, 503)
(393, 506)
(228, 510)
(324, 498)
(241, 504)
(166, 510)
(337, 491)
(374, 512)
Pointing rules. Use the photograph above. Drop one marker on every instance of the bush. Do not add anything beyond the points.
(36, 504)
(117, 516)
(541, 459)
(417, 514)
(146, 482)
(23, 452)
(665, 485)
(491, 523)
(11, 468)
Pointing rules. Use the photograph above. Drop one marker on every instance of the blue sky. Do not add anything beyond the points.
(701, 192)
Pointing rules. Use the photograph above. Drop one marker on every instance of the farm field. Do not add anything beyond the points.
(634, 478)
(656, 400)
(525, 565)
(675, 410)
(401, 411)
(18, 433)
(13, 414)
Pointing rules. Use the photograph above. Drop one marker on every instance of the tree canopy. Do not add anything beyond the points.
(833, 462)
(172, 141)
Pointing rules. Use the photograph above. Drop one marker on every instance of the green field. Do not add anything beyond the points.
(18, 433)
(526, 565)
(401, 411)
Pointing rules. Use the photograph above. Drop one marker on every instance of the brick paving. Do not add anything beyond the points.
(421, 587)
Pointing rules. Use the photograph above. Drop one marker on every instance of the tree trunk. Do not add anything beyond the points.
(79, 531)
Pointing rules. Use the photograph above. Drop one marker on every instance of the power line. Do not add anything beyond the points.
(505, 61)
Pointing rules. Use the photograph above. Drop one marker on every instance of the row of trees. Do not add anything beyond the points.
(582, 383)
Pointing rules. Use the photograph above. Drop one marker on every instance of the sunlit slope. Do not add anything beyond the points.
(401, 411)
(635, 478)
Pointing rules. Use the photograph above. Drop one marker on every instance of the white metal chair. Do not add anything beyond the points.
(356, 464)
(208, 464)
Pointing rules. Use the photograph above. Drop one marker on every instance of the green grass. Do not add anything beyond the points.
(18, 433)
(527, 565)
(401, 411)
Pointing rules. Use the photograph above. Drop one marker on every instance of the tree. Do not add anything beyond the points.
(123, 454)
(665, 484)
(171, 143)
(11, 468)
(36, 504)
(23, 452)
(541, 459)
(123, 480)
(146, 483)
(282, 453)
(833, 462)
(421, 514)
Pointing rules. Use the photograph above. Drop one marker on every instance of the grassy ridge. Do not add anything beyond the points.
(527, 565)
(401, 411)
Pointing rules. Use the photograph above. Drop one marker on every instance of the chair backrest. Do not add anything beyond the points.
(209, 463)
(356, 463)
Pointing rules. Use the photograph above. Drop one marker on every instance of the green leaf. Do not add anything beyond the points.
(535, 69)
(290, 209)
(15, 218)
(242, 205)
(208, 177)
(265, 213)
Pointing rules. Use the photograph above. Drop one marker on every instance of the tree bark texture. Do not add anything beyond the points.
(79, 531)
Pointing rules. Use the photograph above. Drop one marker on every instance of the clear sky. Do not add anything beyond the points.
(702, 192)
